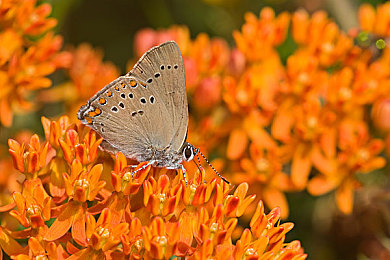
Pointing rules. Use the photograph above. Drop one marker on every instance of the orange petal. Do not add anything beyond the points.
(301, 166)
(93, 150)
(64, 221)
(328, 143)
(16, 152)
(78, 226)
(5, 113)
(275, 198)
(281, 126)
(366, 17)
(67, 152)
(344, 197)
(320, 185)
(46, 126)
(120, 162)
(9, 245)
(237, 144)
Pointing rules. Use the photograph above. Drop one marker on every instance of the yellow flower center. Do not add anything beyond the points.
(103, 232)
(30, 70)
(312, 122)
(214, 227)
(192, 192)
(81, 183)
(303, 78)
(162, 240)
(41, 257)
(33, 209)
(327, 47)
(345, 93)
(269, 225)
(363, 154)
(139, 244)
(250, 252)
(262, 165)
(127, 177)
(162, 198)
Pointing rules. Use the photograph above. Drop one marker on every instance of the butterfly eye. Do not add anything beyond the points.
(188, 153)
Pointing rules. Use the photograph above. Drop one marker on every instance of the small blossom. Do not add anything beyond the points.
(32, 160)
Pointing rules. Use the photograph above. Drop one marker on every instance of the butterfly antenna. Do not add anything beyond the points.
(197, 164)
(219, 175)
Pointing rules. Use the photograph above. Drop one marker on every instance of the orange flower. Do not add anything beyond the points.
(88, 74)
(123, 180)
(359, 154)
(39, 249)
(80, 186)
(34, 205)
(103, 239)
(25, 63)
(31, 161)
(160, 198)
(380, 113)
(194, 220)
(375, 21)
(265, 239)
(33, 20)
(270, 29)
(321, 37)
(85, 152)
(148, 38)
(263, 170)
(160, 239)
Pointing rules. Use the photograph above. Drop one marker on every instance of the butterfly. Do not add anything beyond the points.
(144, 114)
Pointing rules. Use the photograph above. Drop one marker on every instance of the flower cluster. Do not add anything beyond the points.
(293, 126)
(100, 206)
(29, 52)
(87, 75)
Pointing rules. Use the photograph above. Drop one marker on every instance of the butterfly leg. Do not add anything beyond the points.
(184, 174)
(143, 167)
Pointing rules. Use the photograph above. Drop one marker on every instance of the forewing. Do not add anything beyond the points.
(161, 69)
(130, 116)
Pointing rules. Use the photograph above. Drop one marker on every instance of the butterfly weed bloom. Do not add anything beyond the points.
(284, 125)
(87, 74)
(152, 214)
(26, 63)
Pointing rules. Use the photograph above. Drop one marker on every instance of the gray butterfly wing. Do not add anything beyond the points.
(131, 118)
(162, 69)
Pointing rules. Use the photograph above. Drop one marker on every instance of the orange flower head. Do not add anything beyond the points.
(26, 61)
(123, 180)
(270, 29)
(31, 160)
(380, 114)
(320, 37)
(34, 205)
(375, 21)
(161, 197)
(82, 185)
(101, 235)
(160, 238)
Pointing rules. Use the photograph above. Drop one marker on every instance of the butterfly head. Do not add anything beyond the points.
(188, 152)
